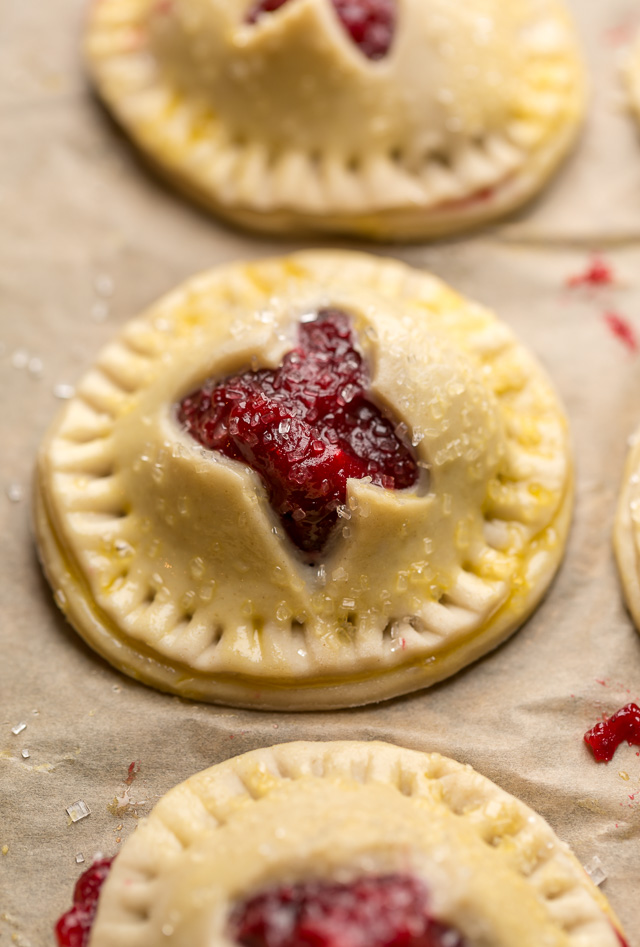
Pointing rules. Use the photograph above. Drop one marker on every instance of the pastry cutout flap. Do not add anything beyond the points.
(349, 541)
(316, 815)
(308, 113)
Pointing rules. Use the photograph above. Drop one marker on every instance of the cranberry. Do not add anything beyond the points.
(388, 911)
(305, 427)
(369, 23)
(605, 738)
(74, 927)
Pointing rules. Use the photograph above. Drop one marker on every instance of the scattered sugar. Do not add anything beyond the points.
(100, 310)
(20, 358)
(78, 810)
(63, 391)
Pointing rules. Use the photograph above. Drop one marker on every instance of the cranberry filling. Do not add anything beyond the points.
(369, 23)
(305, 427)
(390, 911)
(605, 738)
(74, 927)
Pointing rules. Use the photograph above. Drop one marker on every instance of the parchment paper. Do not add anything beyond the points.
(88, 238)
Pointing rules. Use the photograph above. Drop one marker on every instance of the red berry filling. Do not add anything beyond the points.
(374, 912)
(305, 427)
(369, 23)
(605, 738)
(74, 927)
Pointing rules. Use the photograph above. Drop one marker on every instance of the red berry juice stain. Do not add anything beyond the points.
(305, 427)
(605, 738)
(74, 927)
(369, 23)
(622, 330)
(388, 911)
(597, 273)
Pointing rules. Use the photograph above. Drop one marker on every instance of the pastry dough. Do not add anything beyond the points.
(284, 125)
(633, 77)
(170, 561)
(627, 530)
(494, 871)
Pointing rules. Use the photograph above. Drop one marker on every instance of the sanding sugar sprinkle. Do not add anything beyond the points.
(622, 329)
(79, 858)
(78, 810)
(25, 754)
(103, 285)
(595, 871)
(19, 727)
(63, 392)
(20, 358)
(100, 310)
(596, 273)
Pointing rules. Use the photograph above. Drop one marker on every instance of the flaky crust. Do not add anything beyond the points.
(169, 560)
(494, 870)
(284, 126)
(626, 534)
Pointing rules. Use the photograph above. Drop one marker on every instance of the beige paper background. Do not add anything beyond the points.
(76, 204)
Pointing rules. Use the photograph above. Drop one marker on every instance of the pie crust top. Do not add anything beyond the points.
(633, 76)
(283, 124)
(337, 812)
(170, 561)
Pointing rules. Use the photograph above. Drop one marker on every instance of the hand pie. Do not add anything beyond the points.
(633, 77)
(384, 118)
(346, 843)
(627, 530)
(307, 482)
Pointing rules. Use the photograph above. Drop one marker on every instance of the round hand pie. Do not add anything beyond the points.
(627, 531)
(345, 845)
(307, 482)
(386, 118)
